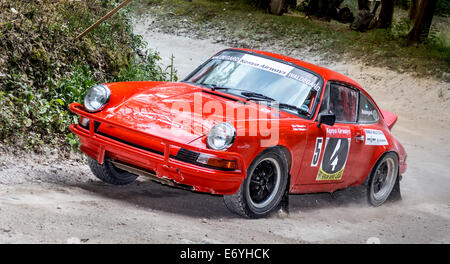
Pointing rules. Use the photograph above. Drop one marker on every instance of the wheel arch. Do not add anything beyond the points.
(287, 153)
(259, 151)
(367, 177)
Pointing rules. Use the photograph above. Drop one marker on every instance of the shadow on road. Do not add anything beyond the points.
(341, 198)
(155, 196)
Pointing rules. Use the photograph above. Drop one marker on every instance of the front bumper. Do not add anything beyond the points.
(164, 165)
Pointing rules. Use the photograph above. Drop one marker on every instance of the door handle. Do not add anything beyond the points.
(359, 138)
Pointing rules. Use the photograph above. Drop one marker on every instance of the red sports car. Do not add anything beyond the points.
(249, 125)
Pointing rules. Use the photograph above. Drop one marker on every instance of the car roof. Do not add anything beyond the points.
(324, 72)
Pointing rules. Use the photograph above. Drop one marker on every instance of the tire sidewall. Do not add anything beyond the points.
(282, 162)
(109, 174)
(370, 190)
(121, 176)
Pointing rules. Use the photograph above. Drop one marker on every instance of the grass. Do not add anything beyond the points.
(236, 21)
(43, 70)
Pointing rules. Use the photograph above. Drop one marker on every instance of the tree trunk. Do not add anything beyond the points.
(363, 4)
(386, 13)
(413, 9)
(402, 3)
(423, 20)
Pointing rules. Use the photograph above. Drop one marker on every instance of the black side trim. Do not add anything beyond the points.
(224, 96)
(187, 155)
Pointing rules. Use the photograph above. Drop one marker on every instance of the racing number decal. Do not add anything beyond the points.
(317, 151)
(334, 159)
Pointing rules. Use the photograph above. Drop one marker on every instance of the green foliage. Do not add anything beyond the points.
(145, 67)
(74, 86)
(43, 70)
(438, 45)
(443, 7)
(29, 118)
(328, 40)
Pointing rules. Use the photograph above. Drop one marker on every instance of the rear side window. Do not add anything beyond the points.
(343, 102)
(367, 111)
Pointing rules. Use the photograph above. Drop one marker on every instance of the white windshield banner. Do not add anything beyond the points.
(265, 64)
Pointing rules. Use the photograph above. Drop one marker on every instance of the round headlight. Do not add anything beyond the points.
(96, 98)
(221, 136)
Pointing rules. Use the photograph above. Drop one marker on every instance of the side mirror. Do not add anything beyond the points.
(327, 119)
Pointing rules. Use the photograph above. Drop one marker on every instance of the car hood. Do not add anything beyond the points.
(174, 111)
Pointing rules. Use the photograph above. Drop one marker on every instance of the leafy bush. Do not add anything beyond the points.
(42, 68)
(443, 7)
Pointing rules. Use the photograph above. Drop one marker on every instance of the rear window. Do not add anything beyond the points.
(367, 111)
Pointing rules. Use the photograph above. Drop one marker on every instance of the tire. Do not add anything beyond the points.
(396, 194)
(262, 191)
(383, 183)
(108, 173)
(276, 7)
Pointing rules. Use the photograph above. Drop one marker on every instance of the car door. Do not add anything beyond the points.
(370, 139)
(329, 151)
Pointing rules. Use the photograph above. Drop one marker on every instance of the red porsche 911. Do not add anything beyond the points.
(249, 125)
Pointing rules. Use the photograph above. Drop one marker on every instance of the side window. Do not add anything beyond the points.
(343, 102)
(367, 111)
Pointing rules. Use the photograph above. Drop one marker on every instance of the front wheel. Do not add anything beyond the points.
(109, 173)
(383, 181)
(263, 189)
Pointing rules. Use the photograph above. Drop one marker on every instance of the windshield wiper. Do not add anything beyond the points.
(246, 93)
(253, 95)
(216, 87)
(261, 97)
(299, 110)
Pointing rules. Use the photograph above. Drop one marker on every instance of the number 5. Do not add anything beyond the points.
(317, 150)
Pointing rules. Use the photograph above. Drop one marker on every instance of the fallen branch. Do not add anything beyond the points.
(101, 20)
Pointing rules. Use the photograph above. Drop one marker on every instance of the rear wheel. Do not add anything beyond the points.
(383, 181)
(108, 173)
(263, 189)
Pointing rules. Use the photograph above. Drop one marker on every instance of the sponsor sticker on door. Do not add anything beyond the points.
(334, 159)
(375, 137)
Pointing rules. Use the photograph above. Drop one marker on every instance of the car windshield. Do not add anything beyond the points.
(258, 77)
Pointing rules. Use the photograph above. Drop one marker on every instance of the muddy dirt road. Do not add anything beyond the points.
(44, 199)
